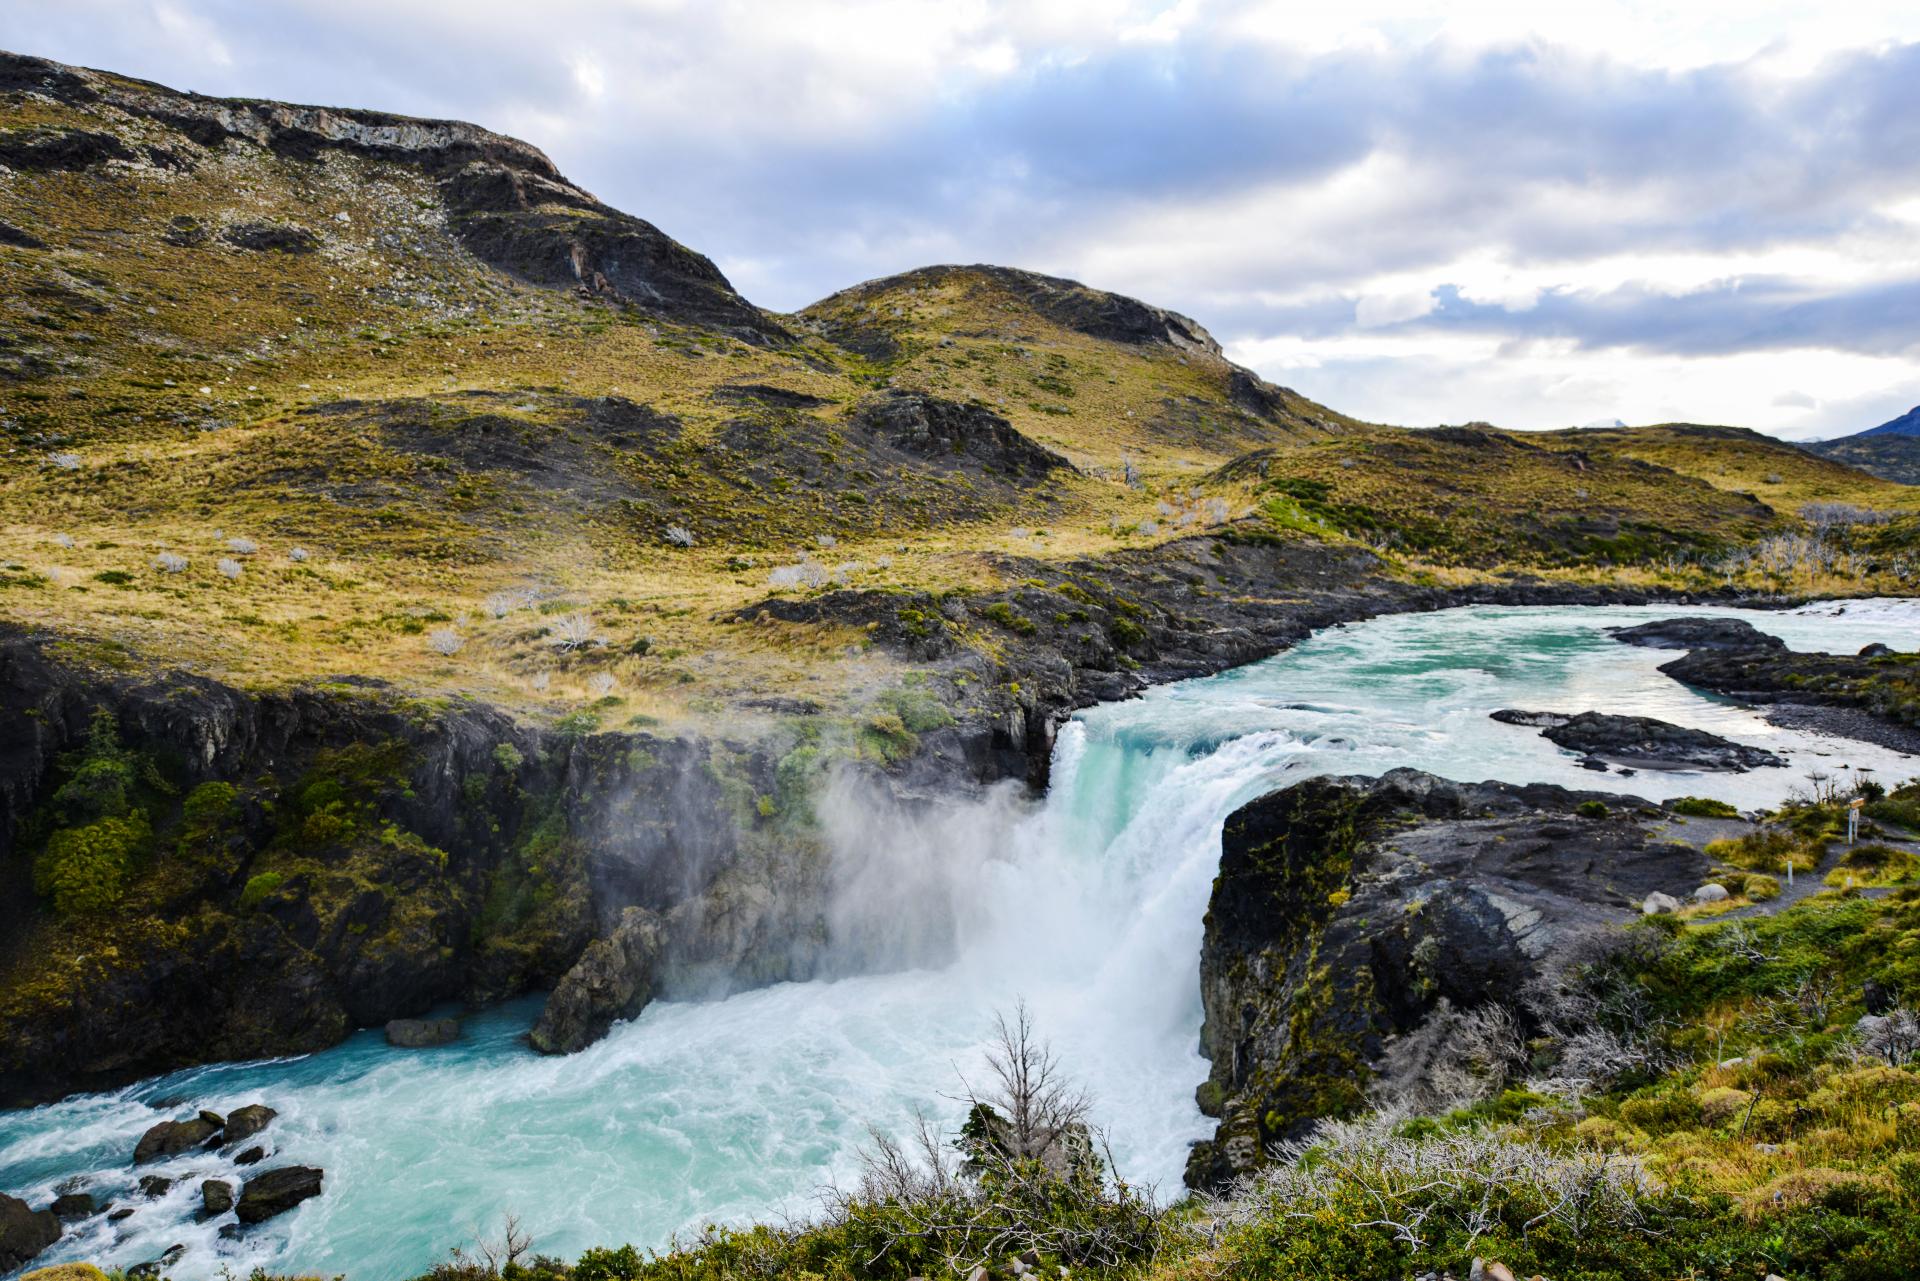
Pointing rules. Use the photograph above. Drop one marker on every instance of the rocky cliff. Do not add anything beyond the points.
(1354, 919)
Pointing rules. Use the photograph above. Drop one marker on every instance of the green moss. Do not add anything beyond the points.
(258, 888)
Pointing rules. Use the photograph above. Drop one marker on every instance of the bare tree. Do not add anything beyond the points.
(1037, 1105)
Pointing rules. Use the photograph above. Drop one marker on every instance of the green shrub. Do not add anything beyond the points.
(1702, 807)
(1591, 809)
(86, 869)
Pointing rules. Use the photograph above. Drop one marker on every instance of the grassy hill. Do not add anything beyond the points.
(292, 391)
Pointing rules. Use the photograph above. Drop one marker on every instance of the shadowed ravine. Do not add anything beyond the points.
(1088, 904)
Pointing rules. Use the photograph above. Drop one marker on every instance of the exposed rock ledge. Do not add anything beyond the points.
(1640, 742)
(1349, 912)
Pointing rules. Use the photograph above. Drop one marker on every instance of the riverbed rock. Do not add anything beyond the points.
(245, 1122)
(420, 1034)
(153, 1186)
(1353, 919)
(613, 980)
(1732, 634)
(170, 1138)
(277, 1191)
(1640, 741)
(252, 1156)
(74, 1205)
(157, 1267)
(216, 1197)
(24, 1231)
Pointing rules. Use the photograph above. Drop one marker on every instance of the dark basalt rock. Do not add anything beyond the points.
(1699, 633)
(271, 237)
(24, 1231)
(157, 1267)
(420, 1034)
(245, 1122)
(945, 431)
(53, 150)
(216, 1198)
(1640, 741)
(613, 980)
(252, 1156)
(74, 1205)
(277, 1191)
(170, 1138)
(12, 235)
(154, 1186)
(1348, 912)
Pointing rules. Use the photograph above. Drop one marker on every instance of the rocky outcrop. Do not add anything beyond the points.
(1699, 633)
(953, 435)
(274, 1192)
(420, 1034)
(354, 861)
(1873, 695)
(1350, 913)
(504, 199)
(613, 980)
(24, 1231)
(1641, 742)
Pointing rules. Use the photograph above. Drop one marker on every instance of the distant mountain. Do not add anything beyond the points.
(1907, 424)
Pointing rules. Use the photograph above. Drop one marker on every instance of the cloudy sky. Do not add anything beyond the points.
(1502, 213)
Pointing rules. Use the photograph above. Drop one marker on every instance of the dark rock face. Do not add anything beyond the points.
(24, 1231)
(60, 149)
(245, 1122)
(1641, 741)
(420, 1034)
(170, 1138)
(1699, 633)
(216, 1198)
(947, 432)
(1347, 912)
(613, 980)
(74, 1205)
(277, 1191)
(271, 237)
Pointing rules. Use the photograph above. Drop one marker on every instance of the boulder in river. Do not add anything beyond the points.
(252, 1156)
(612, 980)
(24, 1231)
(277, 1191)
(420, 1034)
(74, 1205)
(245, 1122)
(216, 1197)
(1640, 741)
(158, 1267)
(155, 1185)
(170, 1138)
(1730, 634)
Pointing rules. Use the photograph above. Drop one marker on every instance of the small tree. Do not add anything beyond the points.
(445, 640)
(679, 536)
(1034, 1105)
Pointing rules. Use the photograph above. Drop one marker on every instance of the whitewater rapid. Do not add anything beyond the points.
(1087, 905)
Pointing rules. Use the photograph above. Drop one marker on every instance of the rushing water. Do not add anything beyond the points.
(1089, 908)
